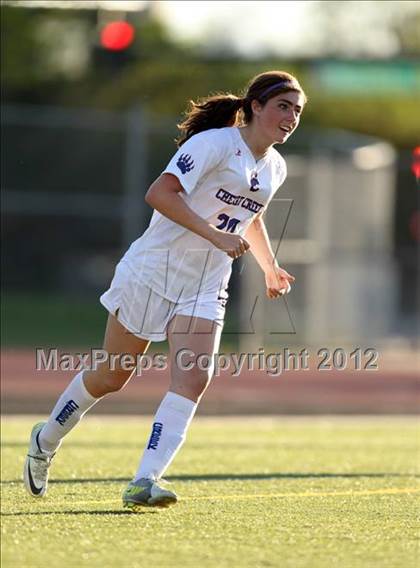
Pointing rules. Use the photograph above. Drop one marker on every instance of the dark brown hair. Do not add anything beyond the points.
(221, 109)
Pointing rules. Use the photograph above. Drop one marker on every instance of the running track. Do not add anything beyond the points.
(392, 390)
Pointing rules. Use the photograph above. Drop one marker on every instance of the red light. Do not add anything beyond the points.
(117, 36)
(415, 166)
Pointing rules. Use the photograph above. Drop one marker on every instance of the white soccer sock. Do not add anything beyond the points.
(169, 430)
(71, 406)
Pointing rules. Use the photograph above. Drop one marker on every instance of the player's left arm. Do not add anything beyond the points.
(277, 280)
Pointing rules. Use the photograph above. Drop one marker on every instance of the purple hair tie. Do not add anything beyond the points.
(285, 83)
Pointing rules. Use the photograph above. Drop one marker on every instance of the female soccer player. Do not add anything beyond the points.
(172, 281)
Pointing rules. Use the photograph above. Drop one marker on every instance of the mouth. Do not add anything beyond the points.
(286, 129)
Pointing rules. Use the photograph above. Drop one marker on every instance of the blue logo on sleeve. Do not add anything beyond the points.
(185, 163)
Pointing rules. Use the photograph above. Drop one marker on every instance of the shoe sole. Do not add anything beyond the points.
(160, 502)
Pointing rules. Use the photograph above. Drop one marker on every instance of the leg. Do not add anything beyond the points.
(198, 335)
(89, 386)
(102, 380)
(179, 405)
(83, 392)
(175, 412)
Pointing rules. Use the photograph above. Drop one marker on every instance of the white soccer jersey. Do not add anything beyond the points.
(227, 187)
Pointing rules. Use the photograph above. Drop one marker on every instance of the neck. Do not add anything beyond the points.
(254, 141)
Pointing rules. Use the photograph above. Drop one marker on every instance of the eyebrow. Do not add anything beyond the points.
(291, 104)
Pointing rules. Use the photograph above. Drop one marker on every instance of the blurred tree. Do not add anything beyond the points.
(21, 49)
(395, 119)
(41, 49)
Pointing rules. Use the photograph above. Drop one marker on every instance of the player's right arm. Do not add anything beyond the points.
(164, 196)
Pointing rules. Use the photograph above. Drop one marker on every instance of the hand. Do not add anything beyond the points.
(234, 245)
(278, 282)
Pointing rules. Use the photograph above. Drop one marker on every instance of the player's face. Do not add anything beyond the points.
(280, 116)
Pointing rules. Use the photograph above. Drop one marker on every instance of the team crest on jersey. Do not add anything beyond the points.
(185, 163)
(254, 183)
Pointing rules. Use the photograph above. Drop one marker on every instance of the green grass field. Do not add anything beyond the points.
(254, 492)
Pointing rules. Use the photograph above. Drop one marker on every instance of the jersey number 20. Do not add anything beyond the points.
(227, 223)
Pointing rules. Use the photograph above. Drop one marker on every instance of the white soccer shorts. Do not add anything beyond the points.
(147, 314)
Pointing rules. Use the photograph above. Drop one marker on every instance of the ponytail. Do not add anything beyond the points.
(216, 111)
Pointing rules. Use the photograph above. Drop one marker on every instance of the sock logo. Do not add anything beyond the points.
(67, 411)
(155, 437)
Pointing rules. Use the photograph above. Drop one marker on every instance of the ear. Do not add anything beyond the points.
(256, 107)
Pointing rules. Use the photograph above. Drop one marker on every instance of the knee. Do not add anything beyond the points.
(191, 384)
(102, 381)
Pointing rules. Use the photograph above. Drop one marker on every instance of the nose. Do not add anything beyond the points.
(294, 121)
(295, 115)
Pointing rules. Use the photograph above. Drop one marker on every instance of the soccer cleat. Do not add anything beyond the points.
(147, 493)
(35, 472)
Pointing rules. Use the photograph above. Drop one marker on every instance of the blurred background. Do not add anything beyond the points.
(92, 92)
